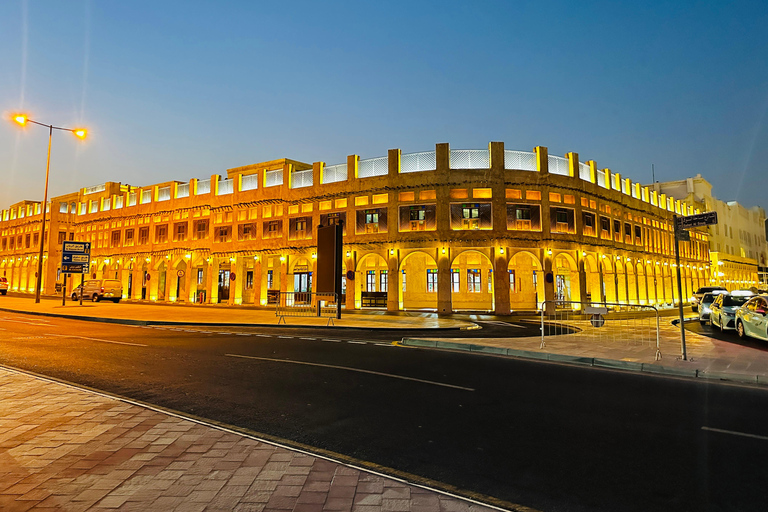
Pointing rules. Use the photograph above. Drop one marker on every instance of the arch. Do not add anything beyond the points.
(526, 286)
(413, 273)
(371, 279)
(632, 282)
(472, 281)
(566, 273)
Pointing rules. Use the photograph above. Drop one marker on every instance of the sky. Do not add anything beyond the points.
(175, 90)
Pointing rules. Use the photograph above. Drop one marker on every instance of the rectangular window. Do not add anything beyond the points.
(35, 239)
(617, 230)
(199, 276)
(403, 286)
(27, 240)
(115, 239)
(128, 237)
(62, 238)
(143, 236)
(605, 228)
(490, 280)
(249, 280)
(372, 218)
(455, 278)
(180, 233)
(161, 234)
(201, 229)
(589, 224)
(370, 281)
(473, 280)
(223, 234)
(638, 234)
(270, 280)
(512, 281)
(627, 232)
(431, 280)
(383, 284)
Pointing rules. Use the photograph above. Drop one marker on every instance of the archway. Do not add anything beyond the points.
(472, 282)
(609, 280)
(526, 283)
(371, 281)
(179, 280)
(566, 279)
(415, 270)
(621, 283)
(632, 283)
(594, 293)
(300, 280)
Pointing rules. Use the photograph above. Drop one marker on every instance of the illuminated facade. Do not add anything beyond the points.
(737, 243)
(443, 230)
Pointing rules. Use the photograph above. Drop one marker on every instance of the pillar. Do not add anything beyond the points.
(501, 290)
(393, 282)
(444, 302)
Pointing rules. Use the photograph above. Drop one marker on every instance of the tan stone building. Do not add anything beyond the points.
(442, 230)
(737, 244)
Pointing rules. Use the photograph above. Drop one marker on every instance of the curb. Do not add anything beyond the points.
(613, 364)
(144, 323)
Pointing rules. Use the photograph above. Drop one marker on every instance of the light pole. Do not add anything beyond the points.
(80, 133)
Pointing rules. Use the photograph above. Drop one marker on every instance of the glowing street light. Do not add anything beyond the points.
(80, 133)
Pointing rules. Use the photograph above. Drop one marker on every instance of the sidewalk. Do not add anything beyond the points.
(161, 314)
(707, 358)
(64, 448)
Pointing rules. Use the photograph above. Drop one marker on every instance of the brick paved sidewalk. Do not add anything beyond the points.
(63, 448)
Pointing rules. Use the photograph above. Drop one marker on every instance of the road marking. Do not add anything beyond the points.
(498, 322)
(244, 334)
(264, 335)
(285, 337)
(353, 370)
(23, 322)
(97, 339)
(358, 342)
(734, 433)
(311, 339)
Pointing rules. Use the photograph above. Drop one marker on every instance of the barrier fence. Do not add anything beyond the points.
(602, 322)
(307, 304)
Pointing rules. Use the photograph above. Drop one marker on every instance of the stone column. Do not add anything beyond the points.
(549, 285)
(444, 302)
(501, 282)
(393, 283)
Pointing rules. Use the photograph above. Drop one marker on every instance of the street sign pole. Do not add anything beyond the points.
(64, 292)
(679, 285)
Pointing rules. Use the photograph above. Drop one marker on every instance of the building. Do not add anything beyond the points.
(737, 243)
(443, 230)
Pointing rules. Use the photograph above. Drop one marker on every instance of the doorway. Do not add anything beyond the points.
(223, 286)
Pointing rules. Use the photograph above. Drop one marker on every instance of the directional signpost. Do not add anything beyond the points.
(682, 225)
(75, 259)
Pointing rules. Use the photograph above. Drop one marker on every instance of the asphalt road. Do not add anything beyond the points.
(549, 436)
(729, 336)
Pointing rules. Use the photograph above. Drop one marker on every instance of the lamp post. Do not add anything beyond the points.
(80, 133)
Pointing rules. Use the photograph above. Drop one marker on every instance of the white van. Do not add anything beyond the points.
(98, 289)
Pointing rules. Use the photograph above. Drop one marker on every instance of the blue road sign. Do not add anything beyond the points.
(75, 257)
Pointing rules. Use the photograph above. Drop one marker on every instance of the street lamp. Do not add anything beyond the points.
(80, 133)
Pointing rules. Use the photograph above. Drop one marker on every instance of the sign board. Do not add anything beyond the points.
(682, 235)
(695, 221)
(232, 276)
(180, 273)
(75, 257)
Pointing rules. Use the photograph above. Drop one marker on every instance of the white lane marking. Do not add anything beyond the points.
(264, 335)
(353, 370)
(23, 322)
(97, 339)
(498, 322)
(311, 339)
(285, 337)
(243, 334)
(358, 342)
(336, 341)
(734, 433)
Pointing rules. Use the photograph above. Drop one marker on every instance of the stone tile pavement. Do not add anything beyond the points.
(69, 449)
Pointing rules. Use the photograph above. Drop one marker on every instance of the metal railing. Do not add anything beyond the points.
(203, 187)
(558, 165)
(601, 323)
(470, 159)
(273, 178)
(163, 193)
(250, 182)
(519, 160)
(584, 173)
(225, 187)
(334, 173)
(300, 179)
(182, 190)
(373, 167)
(418, 162)
(307, 304)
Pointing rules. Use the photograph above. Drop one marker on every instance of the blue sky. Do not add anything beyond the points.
(176, 90)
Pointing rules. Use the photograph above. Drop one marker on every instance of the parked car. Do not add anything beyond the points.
(723, 309)
(3, 285)
(704, 305)
(700, 293)
(751, 319)
(99, 289)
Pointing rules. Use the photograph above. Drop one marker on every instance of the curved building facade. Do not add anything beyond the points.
(444, 230)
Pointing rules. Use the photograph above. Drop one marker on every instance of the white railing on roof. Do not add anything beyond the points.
(624, 187)
(106, 204)
(250, 182)
(83, 207)
(132, 199)
(373, 167)
(418, 162)
(146, 196)
(334, 173)
(97, 188)
(470, 159)
(302, 178)
(558, 165)
(182, 190)
(94, 206)
(118, 202)
(225, 187)
(584, 173)
(273, 178)
(203, 187)
(163, 193)
(520, 160)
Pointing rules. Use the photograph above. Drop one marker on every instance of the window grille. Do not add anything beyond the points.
(470, 159)
(182, 190)
(372, 167)
(418, 162)
(334, 173)
(94, 206)
(601, 179)
(164, 193)
(132, 199)
(118, 202)
(584, 173)
(146, 196)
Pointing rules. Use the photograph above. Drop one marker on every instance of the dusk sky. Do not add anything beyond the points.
(180, 90)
